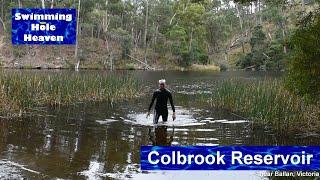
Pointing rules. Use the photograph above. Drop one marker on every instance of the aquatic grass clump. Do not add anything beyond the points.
(22, 91)
(267, 103)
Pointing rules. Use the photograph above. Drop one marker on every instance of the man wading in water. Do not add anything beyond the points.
(162, 95)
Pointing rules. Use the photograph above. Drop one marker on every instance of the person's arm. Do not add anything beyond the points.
(172, 106)
(153, 98)
(171, 102)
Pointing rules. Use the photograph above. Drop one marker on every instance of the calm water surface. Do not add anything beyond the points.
(102, 140)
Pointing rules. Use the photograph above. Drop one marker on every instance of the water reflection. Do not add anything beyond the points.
(160, 136)
(100, 140)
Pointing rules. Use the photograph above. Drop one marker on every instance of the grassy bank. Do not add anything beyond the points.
(199, 67)
(267, 103)
(195, 67)
(19, 92)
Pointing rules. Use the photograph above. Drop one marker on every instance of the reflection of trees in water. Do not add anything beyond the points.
(62, 142)
(160, 136)
(3, 133)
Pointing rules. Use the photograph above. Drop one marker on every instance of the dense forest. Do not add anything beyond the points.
(241, 34)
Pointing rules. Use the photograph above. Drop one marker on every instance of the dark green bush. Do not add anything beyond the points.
(304, 64)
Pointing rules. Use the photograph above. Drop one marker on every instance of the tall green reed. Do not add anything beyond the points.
(267, 103)
(20, 92)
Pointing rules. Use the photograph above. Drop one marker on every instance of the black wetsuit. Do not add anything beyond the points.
(161, 109)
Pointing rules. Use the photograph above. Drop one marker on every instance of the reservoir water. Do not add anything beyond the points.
(102, 140)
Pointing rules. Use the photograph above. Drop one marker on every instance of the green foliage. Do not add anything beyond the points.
(272, 14)
(258, 38)
(188, 38)
(256, 57)
(185, 59)
(304, 65)
(217, 28)
(178, 37)
(187, 32)
(223, 67)
(245, 61)
(180, 48)
(131, 66)
(198, 54)
(277, 59)
(125, 39)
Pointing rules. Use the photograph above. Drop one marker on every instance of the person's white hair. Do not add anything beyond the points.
(162, 81)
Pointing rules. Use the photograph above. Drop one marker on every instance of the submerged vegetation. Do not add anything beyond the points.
(267, 103)
(20, 92)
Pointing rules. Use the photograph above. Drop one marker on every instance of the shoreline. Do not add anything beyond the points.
(128, 69)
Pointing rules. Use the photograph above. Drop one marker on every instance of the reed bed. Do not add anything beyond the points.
(19, 92)
(267, 103)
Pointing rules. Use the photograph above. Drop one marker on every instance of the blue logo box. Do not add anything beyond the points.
(230, 157)
(44, 26)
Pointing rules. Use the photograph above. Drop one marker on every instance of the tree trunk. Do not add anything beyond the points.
(226, 56)
(111, 61)
(2, 7)
(303, 5)
(270, 36)
(106, 18)
(283, 36)
(145, 31)
(260, 16)
(133, 35)
(255, 12)
(190, 42)
(2, 18)
(105, 29)
(52, 3)
(153, 43)
(76, 49)
(43, 5)
(283, 27)
(172, 18)
(92, 32)
(4, 26)
(241, 25)
(20, 3)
